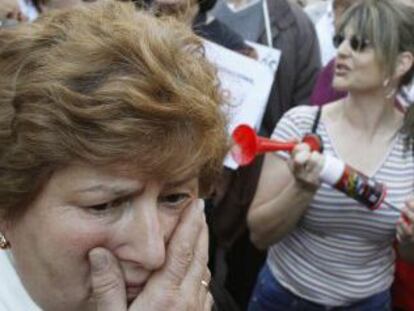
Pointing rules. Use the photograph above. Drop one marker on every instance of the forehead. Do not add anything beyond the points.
(118, 176)
(358, 24)
(61, 4)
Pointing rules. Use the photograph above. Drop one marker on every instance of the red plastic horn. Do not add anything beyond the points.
(248, 144)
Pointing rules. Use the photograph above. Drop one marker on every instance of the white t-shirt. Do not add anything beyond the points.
(13, 296)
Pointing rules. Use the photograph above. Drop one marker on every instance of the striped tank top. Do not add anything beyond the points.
(341, 252)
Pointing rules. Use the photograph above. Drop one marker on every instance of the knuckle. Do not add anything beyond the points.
(184, 254)
(107, 284)
(180, 260)
(315, 155)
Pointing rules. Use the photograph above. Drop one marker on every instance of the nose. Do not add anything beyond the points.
(344, 49)
(144, 237)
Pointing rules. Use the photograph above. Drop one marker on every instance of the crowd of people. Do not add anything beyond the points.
(113, 135)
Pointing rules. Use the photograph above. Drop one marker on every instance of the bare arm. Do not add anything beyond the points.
(283, 195)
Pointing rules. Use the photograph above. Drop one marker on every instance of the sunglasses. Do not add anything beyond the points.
(357, 44)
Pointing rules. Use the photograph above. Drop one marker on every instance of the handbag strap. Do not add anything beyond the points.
(316, 121)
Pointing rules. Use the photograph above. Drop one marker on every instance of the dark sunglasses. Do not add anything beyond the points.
(357, 44)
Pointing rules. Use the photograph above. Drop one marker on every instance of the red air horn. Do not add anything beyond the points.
(248, 144)
(335, 173)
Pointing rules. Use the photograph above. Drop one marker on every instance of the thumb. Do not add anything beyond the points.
(108, 286)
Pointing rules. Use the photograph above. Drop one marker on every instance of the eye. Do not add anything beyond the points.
(358, 44)
(175, 200)
(114, 204)
(338, 39)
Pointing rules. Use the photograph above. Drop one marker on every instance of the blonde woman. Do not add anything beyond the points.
(326, 251)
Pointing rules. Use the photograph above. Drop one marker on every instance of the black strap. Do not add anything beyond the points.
(316, 121)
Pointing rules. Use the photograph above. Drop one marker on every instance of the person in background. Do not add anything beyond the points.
(106, 146)
(10, 13)
(327, 250)
(289, 30)
(325, 16)
(403, 287)
(196, 14)
(323, 93)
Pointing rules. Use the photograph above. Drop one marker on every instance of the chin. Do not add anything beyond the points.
(340, 85)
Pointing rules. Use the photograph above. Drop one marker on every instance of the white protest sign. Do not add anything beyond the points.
(246, 83)
(238, 7)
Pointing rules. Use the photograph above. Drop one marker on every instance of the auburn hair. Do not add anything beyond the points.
(105, 84)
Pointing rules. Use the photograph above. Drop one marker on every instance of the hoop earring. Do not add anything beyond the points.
(4, 244)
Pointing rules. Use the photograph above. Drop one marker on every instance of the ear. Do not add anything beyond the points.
(404, 63)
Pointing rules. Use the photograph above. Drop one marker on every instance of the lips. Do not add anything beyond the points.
(341, 68)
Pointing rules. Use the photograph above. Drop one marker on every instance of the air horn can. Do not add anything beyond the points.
(335, 173)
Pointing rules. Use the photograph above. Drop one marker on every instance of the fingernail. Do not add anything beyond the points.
(99, 260)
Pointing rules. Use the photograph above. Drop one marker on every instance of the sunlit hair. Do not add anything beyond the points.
(105, 84)
(389, 27)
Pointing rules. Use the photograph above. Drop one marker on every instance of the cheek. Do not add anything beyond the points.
(71, 238)
(84, 237)
(369, 69)
(168, 223)
(54, 250)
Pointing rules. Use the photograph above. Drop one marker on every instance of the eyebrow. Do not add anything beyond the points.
(181, 181)
(125, 190)
(115, 190)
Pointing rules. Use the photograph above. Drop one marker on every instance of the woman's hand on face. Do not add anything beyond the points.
(306, 165)
(405, 224)
(179, 285)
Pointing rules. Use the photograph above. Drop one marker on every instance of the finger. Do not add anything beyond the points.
(302, 157)
(407, 230)
(408, 214)
(404, 233)
(108, 286)
(194, 279)
(209, 302)
(400, 232)
(299, 148)
(182, 245)
(410, 204)
(316, 161)
(204, 287)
